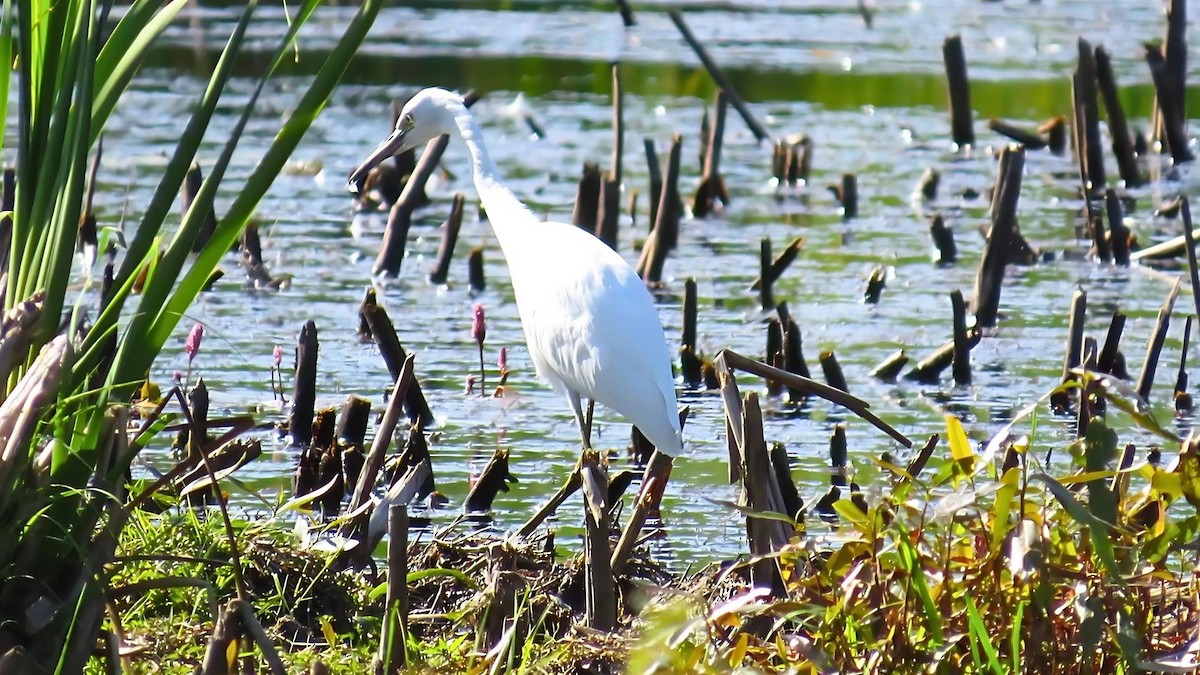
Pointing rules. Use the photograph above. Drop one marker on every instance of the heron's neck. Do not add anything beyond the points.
(502, 206)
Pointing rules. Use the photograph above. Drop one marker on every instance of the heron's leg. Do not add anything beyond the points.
(585, 423)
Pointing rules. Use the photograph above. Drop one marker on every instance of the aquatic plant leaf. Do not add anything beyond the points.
(1097, 529)
(850, 511)
(1002, 506)
(1189, 474)
(956, 436)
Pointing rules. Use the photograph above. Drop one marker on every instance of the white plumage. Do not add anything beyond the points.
(590, 324)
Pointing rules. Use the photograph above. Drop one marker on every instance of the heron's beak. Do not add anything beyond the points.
(392, 145)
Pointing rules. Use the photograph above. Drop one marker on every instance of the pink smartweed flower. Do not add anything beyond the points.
(192, 345)
(479, 324)
(278, 356)
(471, 383)
(502, 361)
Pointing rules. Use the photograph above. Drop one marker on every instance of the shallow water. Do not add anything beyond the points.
(872, 99)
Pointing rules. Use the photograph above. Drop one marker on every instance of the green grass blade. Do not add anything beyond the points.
(979, 634)
(1014, 640)
(910, 559)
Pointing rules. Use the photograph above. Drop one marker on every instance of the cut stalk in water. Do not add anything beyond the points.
(1154, 349)
(890, 368)
(450, 228)
(990, 276)
(714, 71)
(943, 241)
(1118, 128)
(958, 85)
(304, 393)
(833, 371)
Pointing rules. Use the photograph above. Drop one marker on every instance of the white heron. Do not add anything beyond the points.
(589, 322)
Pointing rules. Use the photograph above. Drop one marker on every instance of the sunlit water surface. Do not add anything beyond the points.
(872, 100)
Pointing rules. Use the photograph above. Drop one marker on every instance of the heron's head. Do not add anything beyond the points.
(426, 116)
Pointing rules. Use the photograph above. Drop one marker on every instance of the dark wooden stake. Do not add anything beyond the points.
(1118, 128)
(959, 88)
(1055, 130)
(990, 275)
(654, 482)
(304, 393)
(875, 285)
(1112, 343)
(712, 184)
(394, 357)
(929, 369)
(1154, 349)
(1074, 354)
(587, 198)
(1031, 140)
(475, 278)
(1119, 235)
(392, 647)
(627, 16)
(833, 371)
(771, 270)
(191, 187)
(943, 241)
(1087, 113)
(601, 598)
(890, 369)
(689, 359)
(962, 350)
(450, 229)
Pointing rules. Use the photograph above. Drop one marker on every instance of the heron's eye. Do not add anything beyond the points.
(407, 122)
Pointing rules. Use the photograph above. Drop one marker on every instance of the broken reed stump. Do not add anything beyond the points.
(990, 275)
(793, 357)
(190, 188)
(712, 183)
(833, 371)
(395, 239)
(1107, 361)
(689, 360)
(304, 392)
(929, 369)
(1101, 246)
(665, 234)
(875, 285)
(1190, 245)
(649, 497)
(750, 460)
(1087, 120)
(847, 195)
(587, 198)
(1118, 128)
(394, 356)
(1154, 349)
(774, 355)
(353, 420)
(475, 277)
(943, 241)
(493, 480)
(450, 228)
(375, 457)
(771, 270)
(1055, 130)
(627, 16)
(1170, 102)
(599, 592)
(1119, 236)
(654, 171)
(890, 369)
(959, 89)
(1183, 399)
(393, 653)
(760, 133)
(609, 199)
(1171, 60)
(961, 363)
(1030, 139)
(1074, 352)
(927, 186)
